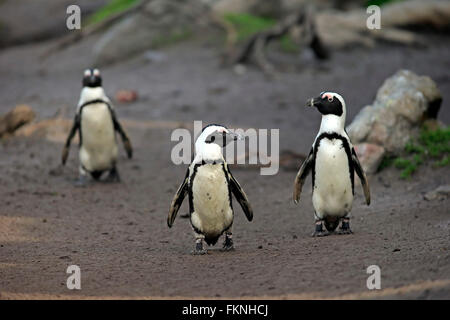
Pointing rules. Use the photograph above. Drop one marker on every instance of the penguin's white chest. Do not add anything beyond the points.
(99, 148)
(212, 212)
(332, 193)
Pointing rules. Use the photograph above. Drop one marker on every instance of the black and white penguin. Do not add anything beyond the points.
(209, 185)
(96, 123)
(332, 161)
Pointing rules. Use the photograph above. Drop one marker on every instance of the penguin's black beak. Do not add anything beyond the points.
(92, 81)
(311, 102)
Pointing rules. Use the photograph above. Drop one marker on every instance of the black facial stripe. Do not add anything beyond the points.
(329, 107)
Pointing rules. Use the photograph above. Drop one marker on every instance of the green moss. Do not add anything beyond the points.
(432, 145)
(113, 7)
(436, 142)
(444, 162)
(247, 25)
(408, 171)
(386, 162)
(417, 159)
(288, 45)
(414, 148)
(402, 163)
(408, 166)
(379, 2)
(174, 37)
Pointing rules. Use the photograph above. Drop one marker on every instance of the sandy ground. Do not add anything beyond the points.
(117, 233)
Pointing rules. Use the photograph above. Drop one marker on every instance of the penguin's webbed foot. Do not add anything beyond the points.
(113, 176)
(319, 231)
(199, 249)
(228, 243)
(82, 181)
(345, 227)
(319, 234)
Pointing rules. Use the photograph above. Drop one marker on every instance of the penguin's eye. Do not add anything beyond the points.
(328, 96)
(212, 139)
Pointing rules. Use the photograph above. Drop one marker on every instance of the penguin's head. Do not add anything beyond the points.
(92, 78)
(212, 138)
(328, 103)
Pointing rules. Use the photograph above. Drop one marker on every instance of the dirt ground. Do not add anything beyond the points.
(117, 233)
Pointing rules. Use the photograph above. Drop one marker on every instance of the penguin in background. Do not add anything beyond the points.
(96, 123)
(209, 185)
(333, 162)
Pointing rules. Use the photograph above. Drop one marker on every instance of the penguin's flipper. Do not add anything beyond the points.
(302, 173)
(240, 195)
(178, 200)
(362, 176)
(118, 127)
(73, 131)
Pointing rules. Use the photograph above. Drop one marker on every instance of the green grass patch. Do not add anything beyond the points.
(247, 25)
(113, 7)
(380, 2)
(431, 146)
(437, 142)
(442, 163)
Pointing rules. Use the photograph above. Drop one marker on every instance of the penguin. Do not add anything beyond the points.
(96, 122)
(209, 185)
(333, 162)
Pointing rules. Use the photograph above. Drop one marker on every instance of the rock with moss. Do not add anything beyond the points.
(402, 105)
(159, 23)
(276, 9)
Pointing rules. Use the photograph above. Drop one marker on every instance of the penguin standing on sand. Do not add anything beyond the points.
(209, 185)
(332, 161)
(97, 124)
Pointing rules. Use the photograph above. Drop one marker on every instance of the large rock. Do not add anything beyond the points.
(402, 105)
(30, 21)
(276, 8)
(342, 29)
(370, 156)
(15, 118)
(439, 193)
(55, 130)
(159, 22)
